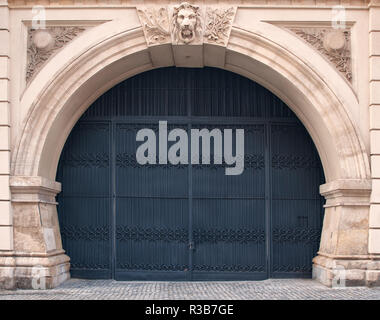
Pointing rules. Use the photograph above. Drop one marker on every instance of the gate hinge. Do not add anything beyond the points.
(191, 245)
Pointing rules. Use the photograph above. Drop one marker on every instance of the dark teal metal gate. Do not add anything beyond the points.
(128, 221)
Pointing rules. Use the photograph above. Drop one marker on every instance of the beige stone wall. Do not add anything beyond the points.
(281, 47)
(6, 230)
(374, 107)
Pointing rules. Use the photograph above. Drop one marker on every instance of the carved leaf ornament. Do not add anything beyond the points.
(43, 43)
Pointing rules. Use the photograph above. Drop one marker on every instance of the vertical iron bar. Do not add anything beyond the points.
(191, 238)
(113, 202)
(268, 197)
(190, 186)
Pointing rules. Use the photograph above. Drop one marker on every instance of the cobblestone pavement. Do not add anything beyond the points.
(273, 289)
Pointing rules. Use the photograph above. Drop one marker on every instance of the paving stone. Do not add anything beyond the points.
(272, 289)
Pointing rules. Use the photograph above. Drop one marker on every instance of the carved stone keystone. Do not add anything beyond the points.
(180, 34)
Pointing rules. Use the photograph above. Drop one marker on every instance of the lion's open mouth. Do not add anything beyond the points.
(187, 34)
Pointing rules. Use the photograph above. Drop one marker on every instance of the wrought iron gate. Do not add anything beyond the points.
(123, 220)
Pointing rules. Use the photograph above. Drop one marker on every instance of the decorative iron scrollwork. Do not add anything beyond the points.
(125, 160)
(229, 268)
(148, 266)
(86, 266)
(254, 161)
(281, 161)
(296, 235)
(292, 268)
(88, 233)
(124, 233)
(251, 161)
(229, 235)
(87, 160)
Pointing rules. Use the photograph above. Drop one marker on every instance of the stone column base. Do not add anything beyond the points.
(34, 272)
(347, 271)
(37, 260)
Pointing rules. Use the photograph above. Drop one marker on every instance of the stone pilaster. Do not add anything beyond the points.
(343, 252)
(38, 258)
(374, 107)
(6, 225)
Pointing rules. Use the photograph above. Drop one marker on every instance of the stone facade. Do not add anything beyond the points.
(328, 77)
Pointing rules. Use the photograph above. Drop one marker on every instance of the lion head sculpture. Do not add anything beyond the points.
(187, 25)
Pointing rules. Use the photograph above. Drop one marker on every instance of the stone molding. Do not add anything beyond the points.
(43, 43)
(34, 189)
(260, 3)
(348, 192)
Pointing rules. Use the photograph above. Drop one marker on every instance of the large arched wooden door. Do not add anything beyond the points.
(128, 221)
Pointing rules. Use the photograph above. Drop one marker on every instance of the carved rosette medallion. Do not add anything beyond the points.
(218, 25)
(43, 43)
(333, 44)
(155, 23)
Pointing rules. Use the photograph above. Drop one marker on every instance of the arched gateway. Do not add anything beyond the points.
(109, 53)
(129, 221)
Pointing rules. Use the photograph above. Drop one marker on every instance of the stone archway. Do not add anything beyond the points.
(116, 50)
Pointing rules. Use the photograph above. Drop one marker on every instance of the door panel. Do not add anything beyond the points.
(84, 172)
(151, 212)
(229, 239)
(229, 213)
(296, 204)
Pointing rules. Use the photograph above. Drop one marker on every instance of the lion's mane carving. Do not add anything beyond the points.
(186, 22)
